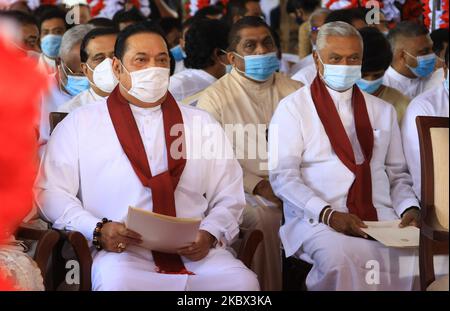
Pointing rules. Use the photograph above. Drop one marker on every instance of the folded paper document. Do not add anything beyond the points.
(160, 232)
(391, 235)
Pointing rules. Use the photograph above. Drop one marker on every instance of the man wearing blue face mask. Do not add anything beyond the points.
(413, 61)
(376, 60)
(336, 160)
(68, 81)
(52, 26)
(433, 103)
(96, 54)
(246, 99)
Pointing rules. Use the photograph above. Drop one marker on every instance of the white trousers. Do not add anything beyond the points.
(342, 262)
(134, 270)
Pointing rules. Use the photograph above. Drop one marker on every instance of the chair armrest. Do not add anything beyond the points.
(47, 240)
(81, 248)
(250, 241)
(434, 233)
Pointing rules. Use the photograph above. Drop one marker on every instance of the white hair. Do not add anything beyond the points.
(72, 37)
(338, 29)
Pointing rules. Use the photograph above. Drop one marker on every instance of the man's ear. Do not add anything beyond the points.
(117, 67)
(84, 69)
(231, 58)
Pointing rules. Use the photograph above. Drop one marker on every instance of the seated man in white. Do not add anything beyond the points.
(103, 158)
(413, 61)
(96, 54)
(432, 103)
(206, 60)
(336, 160)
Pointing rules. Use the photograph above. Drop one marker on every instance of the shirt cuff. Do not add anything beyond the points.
(313, 208)
(85, 226)
(401, 208)
(251, 181)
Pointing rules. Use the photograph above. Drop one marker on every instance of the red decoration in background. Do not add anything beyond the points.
(21, 87)
(96, 9)
(352, 4)
(412, 11)
(445, 13)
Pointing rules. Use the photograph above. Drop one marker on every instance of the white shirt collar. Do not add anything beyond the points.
(144, 111)
(340, 97)
(204, 75)
(399, 77)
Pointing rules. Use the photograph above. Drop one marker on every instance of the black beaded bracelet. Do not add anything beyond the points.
(97, 233)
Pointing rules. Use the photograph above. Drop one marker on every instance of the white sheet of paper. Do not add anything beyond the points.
(389, 233)
(162, 233)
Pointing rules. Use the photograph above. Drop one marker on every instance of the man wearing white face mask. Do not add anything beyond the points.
(336, 160)
(246, 98)
(96, 54)
(413, 62)
(142, 148)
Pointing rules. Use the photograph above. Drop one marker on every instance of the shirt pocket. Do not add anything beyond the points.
(381, 140)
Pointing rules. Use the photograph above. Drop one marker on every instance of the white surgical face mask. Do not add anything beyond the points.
(149, 85)
(103, 76)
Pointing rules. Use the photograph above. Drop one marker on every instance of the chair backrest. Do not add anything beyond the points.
(55, 118)
(434, 153)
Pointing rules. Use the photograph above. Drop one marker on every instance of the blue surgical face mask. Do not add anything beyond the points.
(369, 86)
(178, 53)
(75, 85)
(260, 67)
(425, 65)
(446, 82)
(50, 45)
(340, 77)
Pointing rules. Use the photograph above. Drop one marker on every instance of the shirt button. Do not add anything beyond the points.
(311, 221)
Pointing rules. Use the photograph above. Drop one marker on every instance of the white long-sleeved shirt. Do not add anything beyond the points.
(306, 75)
(307, 175)
(189, 82)
(432, 103)
(407, 86)
(85, 174)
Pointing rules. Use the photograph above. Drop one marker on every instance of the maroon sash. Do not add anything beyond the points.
(359, 199)
(163, 185)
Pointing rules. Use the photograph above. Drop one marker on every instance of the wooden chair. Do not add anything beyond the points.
(46, 242)
(55, 118)
(434, 156)
(250, 241)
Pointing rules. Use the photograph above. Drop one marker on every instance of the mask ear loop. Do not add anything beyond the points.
(121, 85)
(320, 60)
(236, 68)
(90, 82)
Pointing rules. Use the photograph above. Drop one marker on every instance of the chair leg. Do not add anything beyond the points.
(426, 264)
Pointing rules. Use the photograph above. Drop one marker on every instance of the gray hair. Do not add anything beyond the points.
(72, 37)
(405, 29)
(338, 29)
(318, 12)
